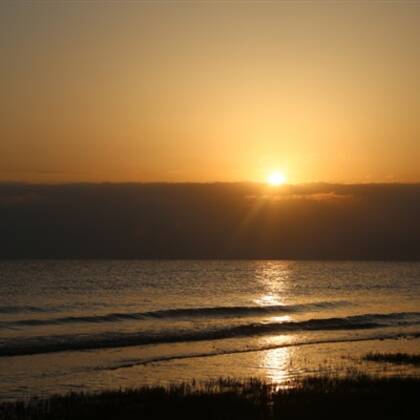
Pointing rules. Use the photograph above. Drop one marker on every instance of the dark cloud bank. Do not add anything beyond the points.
(316, 221)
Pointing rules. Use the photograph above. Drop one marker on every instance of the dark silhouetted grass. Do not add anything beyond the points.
(397, 358)
(353, 397)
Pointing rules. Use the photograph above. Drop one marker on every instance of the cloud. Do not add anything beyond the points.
(308, 221)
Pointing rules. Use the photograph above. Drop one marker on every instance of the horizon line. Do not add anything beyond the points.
(206, 183)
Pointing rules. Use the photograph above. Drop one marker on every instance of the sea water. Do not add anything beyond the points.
(94, 325)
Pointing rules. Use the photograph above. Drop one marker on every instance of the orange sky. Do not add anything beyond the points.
(218, 91)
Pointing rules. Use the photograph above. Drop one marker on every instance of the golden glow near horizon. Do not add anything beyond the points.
(276, 178)
(210, 91)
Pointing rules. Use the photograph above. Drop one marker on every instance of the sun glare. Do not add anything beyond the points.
(276, 178)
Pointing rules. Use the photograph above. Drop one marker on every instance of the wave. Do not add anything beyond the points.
(22, 309)
(215, 312)
(17, 309)
(58, 343)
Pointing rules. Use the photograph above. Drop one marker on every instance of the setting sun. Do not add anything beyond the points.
(276, 178)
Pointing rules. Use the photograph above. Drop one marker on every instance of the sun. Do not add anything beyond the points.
(276, 178)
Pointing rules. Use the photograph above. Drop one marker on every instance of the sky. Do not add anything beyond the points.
(210, 91)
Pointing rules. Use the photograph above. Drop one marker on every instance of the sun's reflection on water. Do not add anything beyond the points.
(281, 318)
(276, 365)
(273, 279)
(268, 299)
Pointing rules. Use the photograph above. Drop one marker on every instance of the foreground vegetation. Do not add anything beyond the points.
(396, 358)
(355, 396)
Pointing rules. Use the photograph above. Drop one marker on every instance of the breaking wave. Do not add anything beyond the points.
(58, 343)
(215, 312)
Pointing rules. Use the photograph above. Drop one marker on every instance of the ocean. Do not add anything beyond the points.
(95, 325)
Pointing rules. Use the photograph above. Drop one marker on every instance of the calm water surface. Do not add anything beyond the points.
(91, 325)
